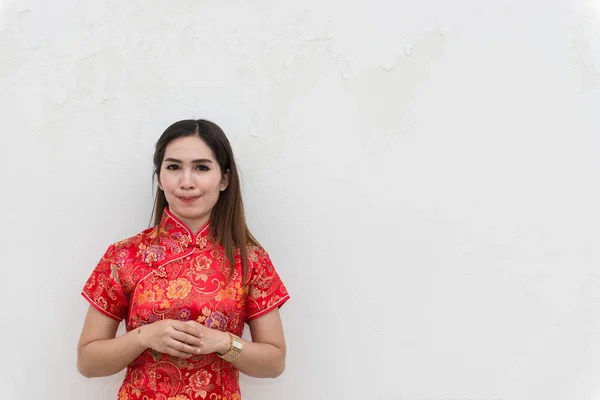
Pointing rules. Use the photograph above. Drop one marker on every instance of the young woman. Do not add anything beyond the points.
(186, 286)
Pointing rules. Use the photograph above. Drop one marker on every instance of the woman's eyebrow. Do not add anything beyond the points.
(198, 161)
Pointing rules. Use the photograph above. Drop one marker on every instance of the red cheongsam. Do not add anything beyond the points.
(165, 272)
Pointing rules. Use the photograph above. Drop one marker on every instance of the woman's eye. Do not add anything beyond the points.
(202, 167)
(173, 167)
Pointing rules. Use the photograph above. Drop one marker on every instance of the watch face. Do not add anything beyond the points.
(237, 344)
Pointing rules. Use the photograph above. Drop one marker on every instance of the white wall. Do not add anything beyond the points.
(424, 174)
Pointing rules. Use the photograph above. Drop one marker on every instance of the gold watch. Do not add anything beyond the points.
(235, 348)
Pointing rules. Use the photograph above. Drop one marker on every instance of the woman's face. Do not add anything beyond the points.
(192, 180)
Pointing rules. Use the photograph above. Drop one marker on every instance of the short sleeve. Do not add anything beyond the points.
(266, 290)
(103, 289)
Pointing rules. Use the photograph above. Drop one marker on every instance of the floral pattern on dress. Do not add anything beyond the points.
(165, 272)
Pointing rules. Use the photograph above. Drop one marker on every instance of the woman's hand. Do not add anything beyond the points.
(172, 337)
(212, 340)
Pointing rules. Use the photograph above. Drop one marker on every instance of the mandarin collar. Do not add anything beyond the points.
(178, 235)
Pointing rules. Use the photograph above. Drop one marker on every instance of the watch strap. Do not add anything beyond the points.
(235, 348)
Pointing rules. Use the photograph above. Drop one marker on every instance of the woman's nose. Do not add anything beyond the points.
(186, 180)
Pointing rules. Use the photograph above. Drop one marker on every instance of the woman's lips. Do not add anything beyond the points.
(188, 199)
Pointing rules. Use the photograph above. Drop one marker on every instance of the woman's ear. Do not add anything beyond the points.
(224, 181)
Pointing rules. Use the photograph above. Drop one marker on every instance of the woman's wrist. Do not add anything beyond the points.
(139, 337)
(224, 343)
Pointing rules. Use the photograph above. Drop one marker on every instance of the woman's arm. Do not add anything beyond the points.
(263, 357)
(100, 353)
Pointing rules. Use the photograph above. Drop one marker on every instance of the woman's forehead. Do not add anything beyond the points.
(188, 149)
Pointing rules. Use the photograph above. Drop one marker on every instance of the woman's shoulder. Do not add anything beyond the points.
(141, 239)
(256, 253)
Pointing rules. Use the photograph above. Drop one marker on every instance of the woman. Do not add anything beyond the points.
(186, 286)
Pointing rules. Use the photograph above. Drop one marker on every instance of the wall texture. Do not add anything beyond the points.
(424, 174)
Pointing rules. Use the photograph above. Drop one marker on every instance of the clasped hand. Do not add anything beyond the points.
(182, 339)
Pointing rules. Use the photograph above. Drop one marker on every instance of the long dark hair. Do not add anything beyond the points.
(227, 222)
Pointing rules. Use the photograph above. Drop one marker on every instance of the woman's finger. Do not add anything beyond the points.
(180, 349)
(186, 338)
(190, 329)
(176, 353)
